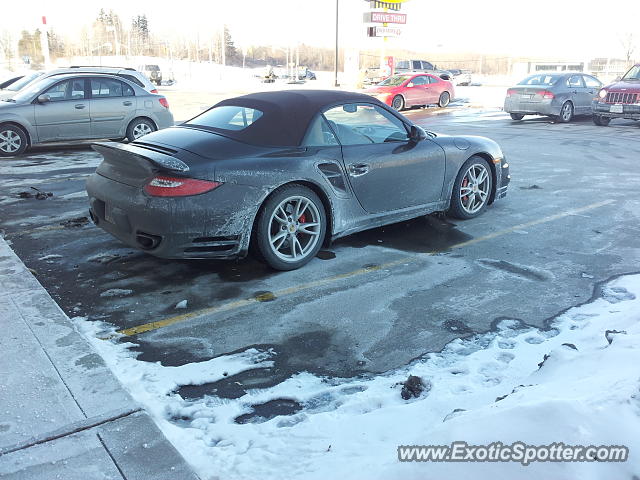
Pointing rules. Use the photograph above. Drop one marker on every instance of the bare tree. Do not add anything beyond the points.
(628, 42)
(6, 45)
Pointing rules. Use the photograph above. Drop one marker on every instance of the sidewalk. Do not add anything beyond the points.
(62, 412)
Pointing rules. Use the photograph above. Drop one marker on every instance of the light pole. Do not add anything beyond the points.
(336, 70)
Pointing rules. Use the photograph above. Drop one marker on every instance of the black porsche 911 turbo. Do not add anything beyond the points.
(285, 172)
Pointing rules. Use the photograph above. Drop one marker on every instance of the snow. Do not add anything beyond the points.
(50, 257)
(585, 393)
(181, 304)
(116, 292)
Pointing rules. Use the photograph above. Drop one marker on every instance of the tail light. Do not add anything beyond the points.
(511, 92)
(163, 186)
(163, 101)
(546, 94)
(155, 90)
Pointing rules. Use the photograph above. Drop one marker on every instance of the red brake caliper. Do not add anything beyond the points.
(302, 218)
(465, 182)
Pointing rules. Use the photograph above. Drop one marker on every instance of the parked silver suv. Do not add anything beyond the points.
(79, 107)
(130, 74)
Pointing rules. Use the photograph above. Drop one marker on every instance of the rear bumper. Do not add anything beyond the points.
(211, 225)
(544, 107)
(164, 119)
(631, 112)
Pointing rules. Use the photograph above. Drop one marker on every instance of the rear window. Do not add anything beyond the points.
(131, 78)
(153, 68)
(227, 117)
(541, 79)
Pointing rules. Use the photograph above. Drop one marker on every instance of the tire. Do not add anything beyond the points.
(13, 140)
(277, 235)
(601, 121)
(397, 103)
(464, 206)
(139, 127)
(516, 116)
(566, 112)
(445, 97)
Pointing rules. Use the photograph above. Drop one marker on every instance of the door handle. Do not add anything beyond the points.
(127, 103)
(358, 169)
(80, 106)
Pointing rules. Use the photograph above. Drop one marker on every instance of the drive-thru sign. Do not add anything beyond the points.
(385, 17)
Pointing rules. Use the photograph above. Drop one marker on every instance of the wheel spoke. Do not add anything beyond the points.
(304, 228)
(295, 243)
(482, 177)
(280, 219)
(281, 235)
(464, 191)
(300, 209)
(472, 174)
(472, 201)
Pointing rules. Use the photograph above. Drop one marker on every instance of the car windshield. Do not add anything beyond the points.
(30, 90)
(227, 117)
(19, 84)
(540, 79)
(393, 81)
(633, 74)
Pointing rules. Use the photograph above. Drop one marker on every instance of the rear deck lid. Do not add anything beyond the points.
(134, 165)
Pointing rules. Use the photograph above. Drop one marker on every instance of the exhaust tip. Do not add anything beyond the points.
(147, 241)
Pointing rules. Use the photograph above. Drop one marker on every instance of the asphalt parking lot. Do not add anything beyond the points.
(372, 301)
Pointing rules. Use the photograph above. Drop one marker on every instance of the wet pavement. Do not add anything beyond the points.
(391, 294)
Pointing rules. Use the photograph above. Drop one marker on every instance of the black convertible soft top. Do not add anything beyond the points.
(286, 114)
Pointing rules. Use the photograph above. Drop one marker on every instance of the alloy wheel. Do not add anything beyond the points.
(397, 103)
(141, 129)
(10, 141)
(294, 228)
(567, 112)
(474, 189)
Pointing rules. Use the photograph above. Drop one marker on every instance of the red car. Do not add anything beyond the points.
(411, 89)
(619, 99)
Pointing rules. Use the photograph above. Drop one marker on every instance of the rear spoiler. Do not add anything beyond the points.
(156, 157)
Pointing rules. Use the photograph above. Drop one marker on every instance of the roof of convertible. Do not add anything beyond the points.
(286, 114)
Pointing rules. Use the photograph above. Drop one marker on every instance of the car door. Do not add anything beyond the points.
(386, 170)
(416, 91)
(433, 89)
(112, 106)
(578, 94)
(66, 113)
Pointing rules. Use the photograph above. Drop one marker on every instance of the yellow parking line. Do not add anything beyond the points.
(225, 307)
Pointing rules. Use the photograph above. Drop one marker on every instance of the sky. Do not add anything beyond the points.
(568, 29)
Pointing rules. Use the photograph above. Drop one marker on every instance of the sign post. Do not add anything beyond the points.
(385, 31)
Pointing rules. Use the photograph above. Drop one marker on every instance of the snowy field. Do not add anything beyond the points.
(575, 382)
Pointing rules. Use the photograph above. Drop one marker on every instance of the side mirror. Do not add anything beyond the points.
(417, 134)
(618, 79)
(44, 98)
(410, 84)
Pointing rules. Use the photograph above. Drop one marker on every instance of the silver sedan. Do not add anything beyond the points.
(79, 107)
(558, 95)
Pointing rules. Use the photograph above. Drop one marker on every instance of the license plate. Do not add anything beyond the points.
(616, 109)
(525, 96)
(108, 213)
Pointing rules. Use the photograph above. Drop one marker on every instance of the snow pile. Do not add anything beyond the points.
(483, 389)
